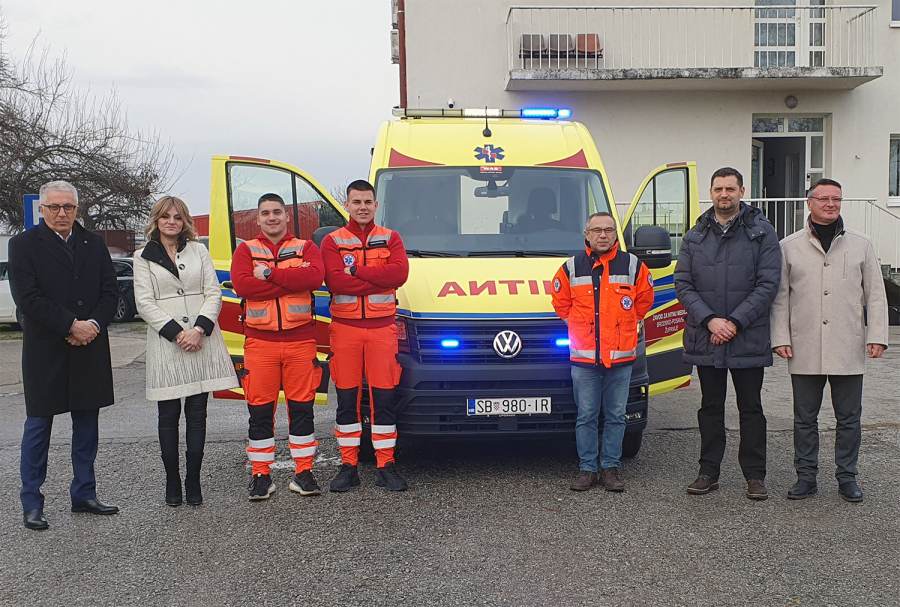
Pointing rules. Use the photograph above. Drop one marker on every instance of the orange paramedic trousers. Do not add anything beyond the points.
(374, 351)
(271, 365)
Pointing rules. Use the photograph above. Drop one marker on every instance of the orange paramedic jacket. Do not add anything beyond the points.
(602, 299)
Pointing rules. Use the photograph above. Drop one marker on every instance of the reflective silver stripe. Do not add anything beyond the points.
(344, 299)
(373, 239)
(304, 452)
(261, 457)
(295, 309)
(257, 313)
(588, 354)
(348, 428)
(262, 444)
(384, 444)
(579, 281)
(632, 267)
(384, 429)
(284, 250)
(301, 440)
(570, 267)
(348, 241)
(617, 354)
(348, 442)
(620, 279)
(382, 299)
(260, 250)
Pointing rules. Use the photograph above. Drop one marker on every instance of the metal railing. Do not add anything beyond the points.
(690, 37)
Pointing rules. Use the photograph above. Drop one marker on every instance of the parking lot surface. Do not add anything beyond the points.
(482, 524)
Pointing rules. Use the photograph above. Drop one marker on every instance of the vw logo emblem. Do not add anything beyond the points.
(507, 344)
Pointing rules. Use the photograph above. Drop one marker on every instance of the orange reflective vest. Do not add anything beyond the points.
(602, 299)
(285, 312)
(375, 252)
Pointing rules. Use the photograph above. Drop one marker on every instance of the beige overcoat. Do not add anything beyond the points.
(819, 307)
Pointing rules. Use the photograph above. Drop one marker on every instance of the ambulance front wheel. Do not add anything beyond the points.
(631, 444)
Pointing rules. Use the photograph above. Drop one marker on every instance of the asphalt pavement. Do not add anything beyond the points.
(483, 523)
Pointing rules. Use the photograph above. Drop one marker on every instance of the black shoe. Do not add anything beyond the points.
(802, 489)
(173, 491)
(850, 491)
(346, 479)
(35, 519)
(261, 487)
(389, 478)
(305, 483)
(94, 507)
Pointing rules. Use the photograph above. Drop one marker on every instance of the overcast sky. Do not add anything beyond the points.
(302, 81)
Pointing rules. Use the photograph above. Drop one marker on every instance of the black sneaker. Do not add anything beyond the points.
(305, 483)
(261, 487)
(389, 477)
(347, 478)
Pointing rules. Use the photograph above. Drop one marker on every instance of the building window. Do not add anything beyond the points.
(895, 14)
(894, 188)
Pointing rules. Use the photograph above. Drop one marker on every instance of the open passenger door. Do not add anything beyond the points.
(668, 198)
(236, 184)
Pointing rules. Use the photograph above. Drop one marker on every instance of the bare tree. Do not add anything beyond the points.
(339, 192)
(51, 130)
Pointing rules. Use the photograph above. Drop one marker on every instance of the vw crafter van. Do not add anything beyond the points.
(489, 204)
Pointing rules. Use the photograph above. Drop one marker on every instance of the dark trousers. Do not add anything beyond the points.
(711, 418)
(846, 397)
(194, 418)
(35, 448)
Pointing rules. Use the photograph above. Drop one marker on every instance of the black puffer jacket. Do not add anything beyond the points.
(733, 275)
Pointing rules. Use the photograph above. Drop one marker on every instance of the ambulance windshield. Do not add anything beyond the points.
(486, 210)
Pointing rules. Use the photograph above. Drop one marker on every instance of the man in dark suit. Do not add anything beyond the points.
(64, 284)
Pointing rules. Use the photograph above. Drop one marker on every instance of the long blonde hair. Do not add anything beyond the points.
(161, 207)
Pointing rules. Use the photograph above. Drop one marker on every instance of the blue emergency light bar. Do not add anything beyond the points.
(449, 343)
(563, 342)
(544, 113)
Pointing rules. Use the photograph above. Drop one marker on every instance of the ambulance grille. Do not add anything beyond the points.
(476, 341)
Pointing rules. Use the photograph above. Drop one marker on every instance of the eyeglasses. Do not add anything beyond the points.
(824, 199)
(54, 208)
(598, 231)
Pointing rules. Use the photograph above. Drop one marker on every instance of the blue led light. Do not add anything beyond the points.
(562, 342)
(564, 113)
(539, 113)
(449, 343)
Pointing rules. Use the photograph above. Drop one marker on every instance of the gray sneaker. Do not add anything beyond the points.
(261, 487)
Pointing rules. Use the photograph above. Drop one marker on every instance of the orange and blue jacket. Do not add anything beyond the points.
(602, 298)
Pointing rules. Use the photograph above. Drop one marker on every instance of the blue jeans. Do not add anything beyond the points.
(600, 389)
(35, 447)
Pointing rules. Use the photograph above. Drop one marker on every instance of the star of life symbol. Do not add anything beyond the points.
(627, 303)
(489, 153)
(349, 259)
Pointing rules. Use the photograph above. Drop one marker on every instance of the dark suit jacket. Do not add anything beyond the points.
(52, 290)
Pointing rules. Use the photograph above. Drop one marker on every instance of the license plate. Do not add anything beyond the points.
(509, 406)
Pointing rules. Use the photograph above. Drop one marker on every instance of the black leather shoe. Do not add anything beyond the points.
(35, 519)
(94, 507)
(850, 491)
(802, 489)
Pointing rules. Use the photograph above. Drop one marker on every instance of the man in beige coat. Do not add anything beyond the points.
(828, 276)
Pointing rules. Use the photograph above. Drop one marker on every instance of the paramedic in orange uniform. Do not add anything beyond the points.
(364, 265)
(275, 274)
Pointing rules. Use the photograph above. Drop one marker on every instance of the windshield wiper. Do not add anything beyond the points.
(518, 253)
(418, 253)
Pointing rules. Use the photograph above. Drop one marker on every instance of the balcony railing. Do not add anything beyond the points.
(610, 42)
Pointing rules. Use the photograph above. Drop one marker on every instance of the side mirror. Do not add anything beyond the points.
(653, 246)
(321, 233)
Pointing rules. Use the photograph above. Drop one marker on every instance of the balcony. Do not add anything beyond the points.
(697, 48)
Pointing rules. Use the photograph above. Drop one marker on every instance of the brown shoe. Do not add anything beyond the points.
(703, 485)
(609, 478)
(584, 481)
(756, 490)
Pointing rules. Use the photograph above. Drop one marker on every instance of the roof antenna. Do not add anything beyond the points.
(487, 131)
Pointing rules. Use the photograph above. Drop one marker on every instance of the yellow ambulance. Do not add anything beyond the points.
(489, 204)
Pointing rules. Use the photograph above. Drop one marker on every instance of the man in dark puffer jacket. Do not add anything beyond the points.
(727, 277)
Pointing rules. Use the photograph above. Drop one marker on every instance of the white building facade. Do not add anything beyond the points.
(786, 91)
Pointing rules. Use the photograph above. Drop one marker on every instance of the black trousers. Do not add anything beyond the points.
(711, 418)
(846, 398)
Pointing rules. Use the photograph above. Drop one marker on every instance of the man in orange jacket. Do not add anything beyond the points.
(276, 274)
(364, 265)
(602, 294)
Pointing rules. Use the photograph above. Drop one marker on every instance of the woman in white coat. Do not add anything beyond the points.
(177, 292)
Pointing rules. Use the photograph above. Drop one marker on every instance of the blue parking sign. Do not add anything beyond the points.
(32, 212)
